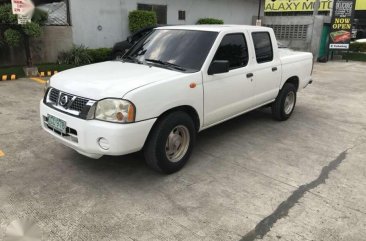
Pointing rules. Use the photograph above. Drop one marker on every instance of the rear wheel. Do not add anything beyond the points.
(285, 102)
(170, 144)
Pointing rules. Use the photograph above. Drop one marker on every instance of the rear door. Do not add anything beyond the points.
(228, 94)
(267, 70)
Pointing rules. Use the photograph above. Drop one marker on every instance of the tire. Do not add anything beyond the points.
(282, 108)
(159, 152)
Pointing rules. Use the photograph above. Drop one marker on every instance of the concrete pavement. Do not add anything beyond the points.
(251, 177)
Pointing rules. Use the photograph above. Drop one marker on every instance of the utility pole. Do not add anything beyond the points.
(315, 13)
(259, 21)
(259, 10)
(316, 8)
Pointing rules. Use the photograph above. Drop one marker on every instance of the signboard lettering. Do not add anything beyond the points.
(341, 24)
(22, 7)
(296, 5)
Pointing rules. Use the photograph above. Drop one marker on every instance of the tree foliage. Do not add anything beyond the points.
(210, 21)
(13, 34)
(32, 29)
(12, 37)
(139, 19)
(78, 55)
(6, 15)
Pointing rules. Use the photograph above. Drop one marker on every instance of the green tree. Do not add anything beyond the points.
(139, 19)
(15, 35)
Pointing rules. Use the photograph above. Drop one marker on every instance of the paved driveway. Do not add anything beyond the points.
(251, 177)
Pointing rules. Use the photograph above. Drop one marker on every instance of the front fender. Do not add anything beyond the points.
(154, 99)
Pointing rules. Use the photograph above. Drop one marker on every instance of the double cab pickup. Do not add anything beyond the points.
(172, 84)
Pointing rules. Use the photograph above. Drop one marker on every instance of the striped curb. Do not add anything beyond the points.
(47, 73)
(5, 77)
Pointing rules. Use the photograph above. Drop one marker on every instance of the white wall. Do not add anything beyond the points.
(112, 15)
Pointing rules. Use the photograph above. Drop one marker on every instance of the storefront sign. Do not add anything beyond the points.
(341, 24)
(296, 5)
(360, 4)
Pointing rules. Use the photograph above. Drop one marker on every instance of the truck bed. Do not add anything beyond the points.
(297, 64)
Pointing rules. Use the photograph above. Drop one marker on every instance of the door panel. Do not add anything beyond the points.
(228, 94)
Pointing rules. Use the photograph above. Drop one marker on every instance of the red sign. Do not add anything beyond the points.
(22, 6)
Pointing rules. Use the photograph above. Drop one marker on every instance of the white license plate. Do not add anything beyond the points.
(56, 123)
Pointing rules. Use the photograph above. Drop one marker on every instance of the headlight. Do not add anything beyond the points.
(115, 110)
(46, 86)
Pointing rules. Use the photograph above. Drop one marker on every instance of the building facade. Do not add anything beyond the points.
(100, 24)
(97, 23)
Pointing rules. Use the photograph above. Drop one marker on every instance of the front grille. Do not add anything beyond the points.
(54, 93)
(68, 96)
(75, 105)
(78, 104)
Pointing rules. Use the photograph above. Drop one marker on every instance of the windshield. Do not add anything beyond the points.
(182, 50)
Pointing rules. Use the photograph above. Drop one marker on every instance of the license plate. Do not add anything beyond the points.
(56, 123)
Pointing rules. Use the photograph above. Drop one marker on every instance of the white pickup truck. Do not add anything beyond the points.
(172, 84)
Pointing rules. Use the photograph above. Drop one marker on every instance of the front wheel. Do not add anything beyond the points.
(170, 144)
(285, 102)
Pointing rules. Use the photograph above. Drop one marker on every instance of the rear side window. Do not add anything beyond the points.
(263, 47)
(233, 48)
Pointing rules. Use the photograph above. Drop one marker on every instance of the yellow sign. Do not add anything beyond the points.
(304, 5)
(360, 4)
(297, 5)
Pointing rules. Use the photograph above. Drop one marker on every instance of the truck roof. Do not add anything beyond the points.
(215, 28)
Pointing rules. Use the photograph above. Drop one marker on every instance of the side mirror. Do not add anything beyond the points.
(219, 67)
(129, 39)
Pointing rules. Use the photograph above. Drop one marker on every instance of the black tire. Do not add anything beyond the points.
(278, 107)
(155, 146)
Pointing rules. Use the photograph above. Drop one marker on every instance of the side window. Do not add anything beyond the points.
(233, 48)
(263, 47)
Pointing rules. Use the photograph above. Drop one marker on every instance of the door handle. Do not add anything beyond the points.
(274, 69)
(250, 75)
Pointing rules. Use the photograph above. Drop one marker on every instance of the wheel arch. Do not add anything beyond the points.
(293, 80)
(192, 112)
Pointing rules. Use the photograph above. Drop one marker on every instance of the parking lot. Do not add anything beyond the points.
(248, 178)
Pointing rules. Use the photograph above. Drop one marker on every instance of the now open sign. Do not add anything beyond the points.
(341, 25)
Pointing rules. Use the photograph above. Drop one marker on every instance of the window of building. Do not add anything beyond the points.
(160, 10)
(263, 47)
(58, 11)
(233, 48)
(287, 31)
(324, 13)
(181, 15)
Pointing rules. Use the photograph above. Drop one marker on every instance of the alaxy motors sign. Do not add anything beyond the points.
(296, 5)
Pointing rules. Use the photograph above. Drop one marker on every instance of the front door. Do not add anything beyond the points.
(228, 94)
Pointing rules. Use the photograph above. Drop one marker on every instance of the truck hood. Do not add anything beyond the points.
(109, 79)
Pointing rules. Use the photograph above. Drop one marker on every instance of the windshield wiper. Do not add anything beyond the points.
(164, 63)
(135, 60)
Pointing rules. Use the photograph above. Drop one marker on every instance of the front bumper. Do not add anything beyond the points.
(83, 135)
